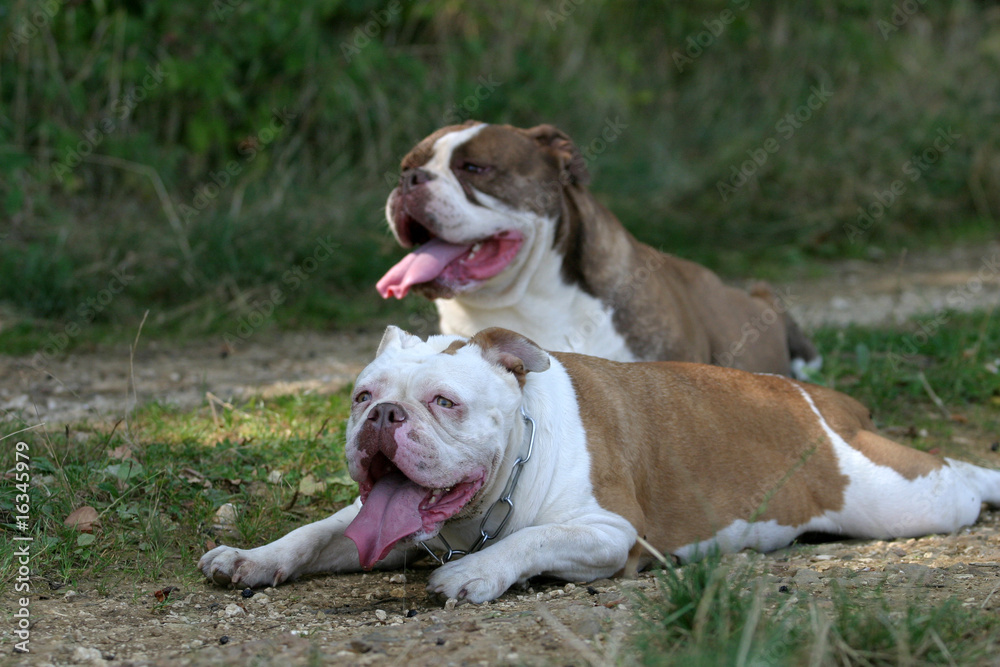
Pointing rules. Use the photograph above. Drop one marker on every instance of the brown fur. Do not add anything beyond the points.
(712, 445)
(665, 307)
(512, 351)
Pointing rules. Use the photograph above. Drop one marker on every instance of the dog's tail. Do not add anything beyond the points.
(805, 360)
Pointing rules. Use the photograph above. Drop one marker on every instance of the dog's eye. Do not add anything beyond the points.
(444, 402)
(363, 396)
(473, 168)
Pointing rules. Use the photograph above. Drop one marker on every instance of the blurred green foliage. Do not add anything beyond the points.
(210, 148)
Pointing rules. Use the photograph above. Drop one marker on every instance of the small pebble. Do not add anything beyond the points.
(411, 613)
(247, 593)
(381, 615)
(450, 604)
(86, 654)
(224, 639)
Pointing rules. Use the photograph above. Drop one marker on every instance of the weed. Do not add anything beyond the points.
(712, 613)
(156, 494)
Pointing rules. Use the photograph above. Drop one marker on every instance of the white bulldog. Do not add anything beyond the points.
(562, 460)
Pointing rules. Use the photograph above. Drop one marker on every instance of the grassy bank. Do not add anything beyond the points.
(208, 153)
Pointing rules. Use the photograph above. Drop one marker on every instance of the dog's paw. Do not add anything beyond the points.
(472, 578)
(251, 568)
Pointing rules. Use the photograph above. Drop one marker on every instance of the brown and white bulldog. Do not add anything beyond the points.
(505, 233)
(688, 456)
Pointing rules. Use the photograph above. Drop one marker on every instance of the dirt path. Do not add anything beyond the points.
(92, 385)
(386, 619)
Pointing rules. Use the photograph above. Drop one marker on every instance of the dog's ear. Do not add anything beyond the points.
(396, 338)
(572, 165)
(516, 353)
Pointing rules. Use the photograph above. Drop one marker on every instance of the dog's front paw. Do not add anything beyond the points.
(473, 578)
(252, 568)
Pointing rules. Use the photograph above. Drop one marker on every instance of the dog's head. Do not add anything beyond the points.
(476, 202)
(430, 429)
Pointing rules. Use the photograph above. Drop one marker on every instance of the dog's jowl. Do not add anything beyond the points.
(594, 453)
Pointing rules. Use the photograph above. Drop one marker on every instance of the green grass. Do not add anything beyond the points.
(895, 371)
(157, 506)
(710, 613)
(327, 172)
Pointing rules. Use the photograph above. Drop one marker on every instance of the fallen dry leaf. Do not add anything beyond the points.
(309, 486)
(83, 519)
(164, 594)
(121, 452)
(195, 477)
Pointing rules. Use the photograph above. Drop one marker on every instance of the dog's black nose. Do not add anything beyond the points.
(411, 178)
(387, 415)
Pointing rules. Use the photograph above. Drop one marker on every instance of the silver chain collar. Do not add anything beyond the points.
(504, 499)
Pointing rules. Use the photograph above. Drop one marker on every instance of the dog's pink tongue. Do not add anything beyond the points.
(390, 513)
(423, 264)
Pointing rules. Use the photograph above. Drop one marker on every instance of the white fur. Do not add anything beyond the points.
(530, 295)
(521, 299)
(557, 527)
(879, 503)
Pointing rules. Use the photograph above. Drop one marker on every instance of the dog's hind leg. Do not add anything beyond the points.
(896, 491)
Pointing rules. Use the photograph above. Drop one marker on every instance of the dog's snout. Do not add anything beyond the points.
(387, 415)
(411, 178)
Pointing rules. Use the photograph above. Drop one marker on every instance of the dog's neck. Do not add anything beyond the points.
(550, 293)
(497, 508)
(596, 248)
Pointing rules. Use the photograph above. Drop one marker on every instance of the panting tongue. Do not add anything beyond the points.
(390, 513)
(422, 265)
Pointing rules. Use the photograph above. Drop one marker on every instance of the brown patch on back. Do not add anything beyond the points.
(910, 463)
(852, 421)
(683, 450)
